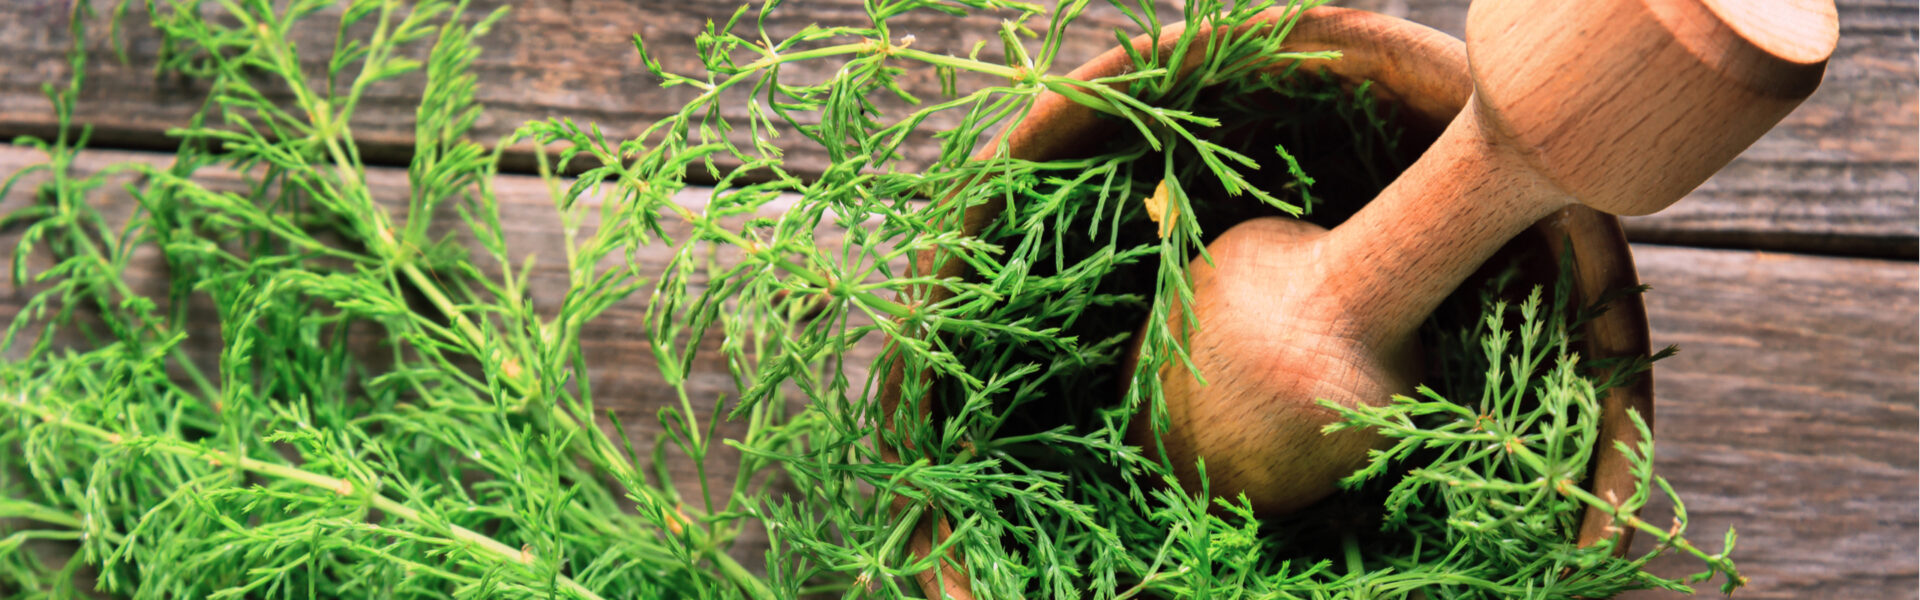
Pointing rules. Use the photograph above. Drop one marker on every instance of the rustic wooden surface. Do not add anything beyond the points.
(1835, 178)
(1790, 413)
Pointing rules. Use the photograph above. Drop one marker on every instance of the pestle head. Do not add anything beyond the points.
(1270, 343)
(1627, 105)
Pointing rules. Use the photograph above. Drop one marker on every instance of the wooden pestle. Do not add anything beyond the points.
(1621, 105)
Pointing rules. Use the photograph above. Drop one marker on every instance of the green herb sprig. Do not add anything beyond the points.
(470, 457)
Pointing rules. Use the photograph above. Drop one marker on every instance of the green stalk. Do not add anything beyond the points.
(27, 510)
(1667, 537)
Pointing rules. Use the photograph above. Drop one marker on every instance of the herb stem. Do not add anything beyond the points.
(1350, 544)
(26, 510)
(742, 577)
(1667, 537)
(955, 62)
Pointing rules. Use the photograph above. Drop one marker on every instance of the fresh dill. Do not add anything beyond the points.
(221, 433)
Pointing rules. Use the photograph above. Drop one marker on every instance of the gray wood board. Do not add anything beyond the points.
(1790, 415)
(1837, 177)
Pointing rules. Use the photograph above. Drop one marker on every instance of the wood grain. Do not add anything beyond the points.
(547, 59)
(1789, 414)
(1837, 177)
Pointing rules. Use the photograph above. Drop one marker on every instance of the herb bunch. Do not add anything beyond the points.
(469, 457)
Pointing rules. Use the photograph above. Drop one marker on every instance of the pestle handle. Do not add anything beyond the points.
(1621, 105)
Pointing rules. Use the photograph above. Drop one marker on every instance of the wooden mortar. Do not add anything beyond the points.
(1422, 72)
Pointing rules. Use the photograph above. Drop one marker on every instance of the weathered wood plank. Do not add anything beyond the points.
(572, 59)
(1789, 414)
(1837, 177)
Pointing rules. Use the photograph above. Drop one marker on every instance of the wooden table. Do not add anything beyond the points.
(1788, 281)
